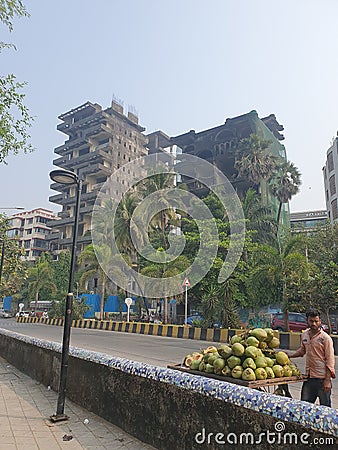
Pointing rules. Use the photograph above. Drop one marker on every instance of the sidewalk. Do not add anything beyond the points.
(25, 407)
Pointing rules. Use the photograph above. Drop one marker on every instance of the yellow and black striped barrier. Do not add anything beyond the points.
(287, 340)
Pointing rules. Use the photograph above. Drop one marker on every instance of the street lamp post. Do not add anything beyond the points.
(69, 178)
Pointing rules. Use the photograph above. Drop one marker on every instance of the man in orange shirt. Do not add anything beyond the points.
(317, 345)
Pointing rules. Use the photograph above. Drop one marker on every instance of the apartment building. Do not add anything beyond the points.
(218, 146)
(308, 221)
(31, 230)
(100, 141)
(330, 174)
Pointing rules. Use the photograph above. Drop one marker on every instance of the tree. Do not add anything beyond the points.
(13, 268)
(61, 269)
(14, 115)
(166, 270)
(40, 277)
(279, 273)
(254, 161)
(259, 218)
(88, 259)
(323, 286)
(285, 184)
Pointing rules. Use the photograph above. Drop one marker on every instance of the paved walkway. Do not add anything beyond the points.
(25, 407)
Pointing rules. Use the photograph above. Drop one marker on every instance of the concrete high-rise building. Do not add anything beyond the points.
(31, 230)
(330, 173)
(99, 142)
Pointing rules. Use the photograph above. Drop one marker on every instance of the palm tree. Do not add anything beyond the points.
(285, 184)
(280, 270)
(40, 277)
(159, 184)
(259, 218)
(254, 161)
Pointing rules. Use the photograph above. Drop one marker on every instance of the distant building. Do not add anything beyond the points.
(308, 221)
(218, 146)
(99, 142)
(330, 173)
(31, 230)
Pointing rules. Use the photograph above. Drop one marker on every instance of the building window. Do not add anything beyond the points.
(334, 209)
(332, 183)
(330, 161)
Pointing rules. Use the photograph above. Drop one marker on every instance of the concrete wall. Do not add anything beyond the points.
(164, 407)
(287, 340)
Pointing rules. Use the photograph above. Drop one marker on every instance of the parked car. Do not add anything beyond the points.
(5, 313)
(297, 322)
(22, 314)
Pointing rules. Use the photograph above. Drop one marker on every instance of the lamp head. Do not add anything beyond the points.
(64, 176)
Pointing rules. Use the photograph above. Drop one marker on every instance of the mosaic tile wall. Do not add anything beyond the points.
(318, 418)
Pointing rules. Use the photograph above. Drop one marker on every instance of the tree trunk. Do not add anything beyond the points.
(279, 214)
(36, 300)
(328, 321)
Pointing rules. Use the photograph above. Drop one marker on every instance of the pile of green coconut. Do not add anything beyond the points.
(249, 356)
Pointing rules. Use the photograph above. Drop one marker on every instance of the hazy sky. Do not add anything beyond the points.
(183, 64)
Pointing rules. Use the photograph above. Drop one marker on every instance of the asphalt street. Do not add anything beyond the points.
(156, 350)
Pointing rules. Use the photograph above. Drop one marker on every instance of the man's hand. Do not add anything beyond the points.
(327, 385)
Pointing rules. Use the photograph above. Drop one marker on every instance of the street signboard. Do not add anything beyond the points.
(186, 282)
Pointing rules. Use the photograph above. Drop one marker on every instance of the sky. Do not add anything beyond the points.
(182, 64)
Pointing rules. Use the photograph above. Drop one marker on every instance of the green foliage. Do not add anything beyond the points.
(15, 119)
(40, 277)
(14, 269)
(61, 268)
(79, 308)
(254, 161)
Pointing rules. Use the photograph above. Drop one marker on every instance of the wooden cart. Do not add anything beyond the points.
(275, 385)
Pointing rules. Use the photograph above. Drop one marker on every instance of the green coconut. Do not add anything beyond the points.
(260, 361)
(287, 371)
(251, 352)
(269, 361)
(236, 338)
(237, 372)
(259, 334)
(248, 374)
(219, 364)
(249, 363)
(260, 373)
(270, 333)
(278, 371)
(225, 351)
(274, 343)
(269, 372)
(237, 349)
(209, 368)
(194, 365)
(226, 371)
(233, 361)
(251, 340)
(282, 358)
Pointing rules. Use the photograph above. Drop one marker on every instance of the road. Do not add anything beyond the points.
(156, 350)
